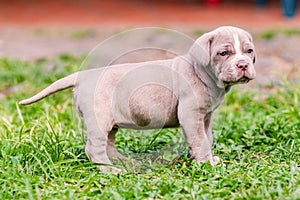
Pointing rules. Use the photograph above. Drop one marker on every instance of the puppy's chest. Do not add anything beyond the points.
(216, 99)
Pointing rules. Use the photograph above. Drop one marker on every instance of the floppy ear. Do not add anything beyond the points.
(201, 49)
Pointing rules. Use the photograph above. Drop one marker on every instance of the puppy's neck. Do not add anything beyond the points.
(208, 77)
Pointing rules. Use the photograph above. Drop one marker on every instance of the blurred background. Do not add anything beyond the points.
(33, 30)
(122, 13)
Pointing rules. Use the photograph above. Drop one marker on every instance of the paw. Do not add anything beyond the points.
(116, 155)
(112, 169)
(214, 160)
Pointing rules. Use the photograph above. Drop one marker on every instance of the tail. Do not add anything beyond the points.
(61, 84)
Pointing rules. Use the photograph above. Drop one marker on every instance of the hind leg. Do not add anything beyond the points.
(111, 149)
(96, 147)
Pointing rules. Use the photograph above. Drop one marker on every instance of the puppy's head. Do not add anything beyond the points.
(227, 53)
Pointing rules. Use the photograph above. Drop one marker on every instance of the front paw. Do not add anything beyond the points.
(213, 160)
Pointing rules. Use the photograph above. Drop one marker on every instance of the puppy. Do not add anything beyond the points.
(183, 91)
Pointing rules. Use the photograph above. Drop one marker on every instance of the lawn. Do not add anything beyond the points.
(256, 135)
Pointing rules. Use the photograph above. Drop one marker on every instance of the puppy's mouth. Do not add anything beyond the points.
(244, 79)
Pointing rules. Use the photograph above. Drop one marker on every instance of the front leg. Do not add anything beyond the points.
(208, 129)
(197, 129)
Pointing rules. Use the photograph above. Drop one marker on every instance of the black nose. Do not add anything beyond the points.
(242, 65)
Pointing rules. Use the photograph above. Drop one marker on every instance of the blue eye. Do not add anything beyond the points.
(224, 53)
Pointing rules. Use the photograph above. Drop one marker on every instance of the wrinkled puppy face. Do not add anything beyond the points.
(232, 55)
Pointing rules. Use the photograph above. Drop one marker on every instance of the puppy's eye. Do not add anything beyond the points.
(224, 53)
(250, 51)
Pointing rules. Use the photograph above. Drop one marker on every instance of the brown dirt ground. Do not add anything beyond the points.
(36, 29)
(120, 13)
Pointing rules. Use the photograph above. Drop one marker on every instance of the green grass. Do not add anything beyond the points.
(42, 147)
(82, 34)
(273, 33)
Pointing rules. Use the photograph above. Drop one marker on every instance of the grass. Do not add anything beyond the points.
(82, 34)
(42, 147)
(273, 33)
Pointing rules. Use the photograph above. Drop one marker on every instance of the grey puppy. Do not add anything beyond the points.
(183, 91)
